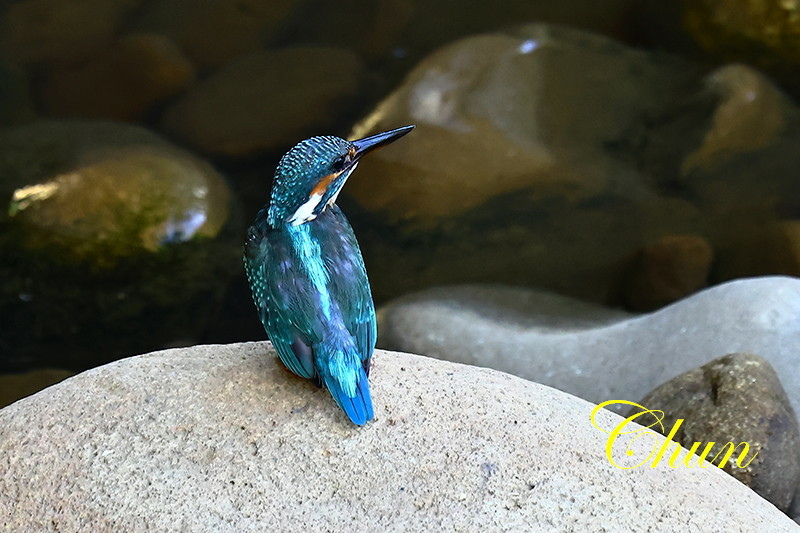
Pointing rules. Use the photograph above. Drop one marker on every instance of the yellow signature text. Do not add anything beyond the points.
(626, 433)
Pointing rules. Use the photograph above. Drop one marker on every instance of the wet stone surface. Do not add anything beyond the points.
(549, 157)
(109, 237)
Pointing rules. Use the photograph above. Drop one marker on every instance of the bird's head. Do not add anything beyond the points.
(311, 174)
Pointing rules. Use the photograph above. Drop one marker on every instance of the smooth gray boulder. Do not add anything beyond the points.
(222, 438)
(594, 352)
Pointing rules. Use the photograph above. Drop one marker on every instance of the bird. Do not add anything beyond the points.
(307, 275)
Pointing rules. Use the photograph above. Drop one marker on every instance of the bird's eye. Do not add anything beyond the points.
(339, 164)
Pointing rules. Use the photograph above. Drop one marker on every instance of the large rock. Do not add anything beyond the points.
(763, 32)
(751, 114)
(106, 191)
(267, 100)
(214, 32)
(222, 438)
(42, 32)
(548, 157)
(404, 29)
(109, 236)
(597, 353)
(737, 398)
(513, 115)
(120, 82)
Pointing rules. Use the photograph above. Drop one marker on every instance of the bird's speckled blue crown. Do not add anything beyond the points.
(300, 170)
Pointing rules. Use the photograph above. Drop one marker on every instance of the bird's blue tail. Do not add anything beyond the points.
(359, 407)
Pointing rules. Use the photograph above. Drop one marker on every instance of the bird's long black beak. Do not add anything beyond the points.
(373, 142)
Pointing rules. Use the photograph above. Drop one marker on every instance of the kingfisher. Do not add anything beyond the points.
(307, 275)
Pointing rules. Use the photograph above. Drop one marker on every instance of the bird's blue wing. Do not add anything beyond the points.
(314, 300)
(350, 287)
(363, 327)
(288, 301)
(292, 345)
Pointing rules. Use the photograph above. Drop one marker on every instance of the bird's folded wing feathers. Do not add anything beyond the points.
(292, 324)
(290, 342)
(358, 311)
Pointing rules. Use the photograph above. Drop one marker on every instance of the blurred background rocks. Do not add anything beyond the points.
(111, 237)
(548, 157)
(258, 101)
(625, 153)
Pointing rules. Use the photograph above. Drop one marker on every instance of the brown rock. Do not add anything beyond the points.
(212, 32)
(751, 114)
(411, 27)
(109, 236)
(737, 398)
(671, 269)
(519, 170)
(513, 115)
(267, 100)
(764, 32)
(120, 82)
(548, 157)
(732, 150)
(772, 246)
(35, 32)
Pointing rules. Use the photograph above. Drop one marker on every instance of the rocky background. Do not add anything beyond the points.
(575, 164)
(627, 153)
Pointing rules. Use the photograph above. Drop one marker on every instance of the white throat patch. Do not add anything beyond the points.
(305, 212)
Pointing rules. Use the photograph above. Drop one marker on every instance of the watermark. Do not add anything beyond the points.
(618, 436)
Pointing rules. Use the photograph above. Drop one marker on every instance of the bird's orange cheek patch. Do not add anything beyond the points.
(323, 184)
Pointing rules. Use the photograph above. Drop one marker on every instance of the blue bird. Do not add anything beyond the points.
(307, 275)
